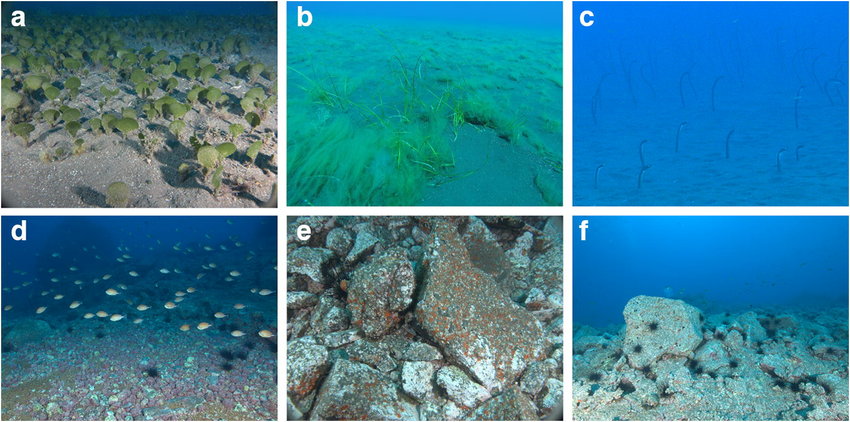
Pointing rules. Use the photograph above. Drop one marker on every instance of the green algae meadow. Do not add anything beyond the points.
(387, 106)
(149, 104)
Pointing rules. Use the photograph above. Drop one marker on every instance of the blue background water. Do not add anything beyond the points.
(103, 235)
(714, 263)
(132, 8)
(649, 66)
(545, 15)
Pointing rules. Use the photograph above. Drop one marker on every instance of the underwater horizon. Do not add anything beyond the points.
(129, 318)
(717, 263)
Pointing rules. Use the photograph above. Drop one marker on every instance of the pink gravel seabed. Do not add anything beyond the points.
(91, 378)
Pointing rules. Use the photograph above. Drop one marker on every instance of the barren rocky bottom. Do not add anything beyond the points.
(670, 361)
(403, 318)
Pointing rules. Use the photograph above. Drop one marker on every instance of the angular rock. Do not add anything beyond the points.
(298, 300)
(416, 379)
(673, 375)
(453, 412)
(750, 325)
(421, 352)
(298, 324)
(379, 290)
(585, 330)
(304, 268)
(535, 376)
(396, 343)
(511, 405)
(328, 316)
(339, 241)
(306, 364)
(436, 408)
(475, 324)
(780, 367)
(460, 388)
(354, 391)
(657, 326)
(339, 338)
(548, 269)
(372, 354)
(363, 243)
(734, 341)
(432, 409)
(712, 356)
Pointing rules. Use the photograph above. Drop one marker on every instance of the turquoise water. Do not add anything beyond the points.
(461, 107)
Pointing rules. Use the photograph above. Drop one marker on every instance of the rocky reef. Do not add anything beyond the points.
(405, 318)
(670, 361)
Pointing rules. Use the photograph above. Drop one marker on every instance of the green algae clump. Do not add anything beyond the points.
(118, 195)
(23, 130)
(50, 116)
(11, 99)
(208, 156)
(236, 129)
(13, 63)
(73, 86)
(73, 127)
(126, 125)
(51, 92)
(176, 127)
(254, 150)
(253, 119)
(226, 149)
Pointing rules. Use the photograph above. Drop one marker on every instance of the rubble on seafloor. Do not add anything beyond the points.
(425, 318)
(672, 362)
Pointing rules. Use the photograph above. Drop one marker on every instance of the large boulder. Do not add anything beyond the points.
(475, 323)
(379, 290)
(657, 326)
